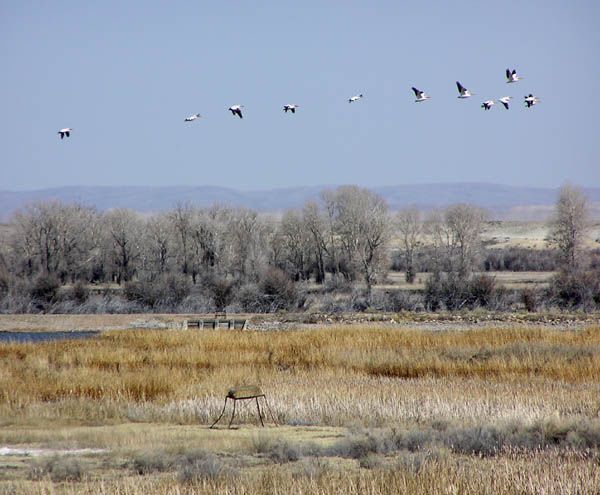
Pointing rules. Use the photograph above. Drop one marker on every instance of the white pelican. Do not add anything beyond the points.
(291, 107)
(65, 132)
(420, 95)
(191, 118)
(464, 92)
(236, 110)
(504, 100)
(487, 104)
(511, 76)
(354, 98)
(531, 100)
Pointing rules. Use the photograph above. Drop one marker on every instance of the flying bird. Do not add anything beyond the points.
(236, 110)
(511, 76)
(191, 118)
(531, 100)
(504, 100)
(65, 132)
(421, 96)
(464, 92)
(354, 98)
(487, 104)
(291, 107)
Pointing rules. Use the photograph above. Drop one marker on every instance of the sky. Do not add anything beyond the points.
(124, 75)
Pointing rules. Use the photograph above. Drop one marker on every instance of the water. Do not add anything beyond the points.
(44, 336)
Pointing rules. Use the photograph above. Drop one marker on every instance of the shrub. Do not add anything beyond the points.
(274, 291)
(250, 299)
(358, 301)
(359, 445)
(396, 300)
(78, 294)
(480, 440)
(529, 298)
(278, 289)
(195, 303)
(337, 284)
(370, 461)
(221, 291)
(151, 462)
(44, 289)
(481, 289)
(283, 452)
(164, 292)
(413, 462)
(453, 293)
(57, 468)
(313, 467)
(576, 290)
(4, 283)
(519, 259)
(199, 465)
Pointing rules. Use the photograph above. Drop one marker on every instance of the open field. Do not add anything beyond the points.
(360, 409)
(510, 280)
(528, 234)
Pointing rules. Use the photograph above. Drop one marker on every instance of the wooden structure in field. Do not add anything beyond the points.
(219, 321)
(250, 392)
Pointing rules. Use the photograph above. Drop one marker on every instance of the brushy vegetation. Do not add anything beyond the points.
(332, 255)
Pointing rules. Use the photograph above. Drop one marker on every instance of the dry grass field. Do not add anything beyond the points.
(531, 234)
(359, 409)
(508, 279)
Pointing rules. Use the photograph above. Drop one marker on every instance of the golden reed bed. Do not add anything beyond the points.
(140, 394)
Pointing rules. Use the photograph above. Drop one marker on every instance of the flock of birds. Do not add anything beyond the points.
(463, 93)
(511, 77)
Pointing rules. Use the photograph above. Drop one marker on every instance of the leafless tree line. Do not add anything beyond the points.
(345, 237)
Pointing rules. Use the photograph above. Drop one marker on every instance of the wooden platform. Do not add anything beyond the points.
(216, 323)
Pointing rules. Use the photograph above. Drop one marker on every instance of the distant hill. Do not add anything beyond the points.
(503, 202)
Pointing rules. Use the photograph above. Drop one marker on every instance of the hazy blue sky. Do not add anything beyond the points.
(124, 75)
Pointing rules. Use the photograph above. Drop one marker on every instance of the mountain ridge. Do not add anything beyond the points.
(502, 201)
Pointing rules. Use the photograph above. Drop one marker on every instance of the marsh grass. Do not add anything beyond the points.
(487, 410)
(321, 376)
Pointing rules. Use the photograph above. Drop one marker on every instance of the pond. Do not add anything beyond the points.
(9, 337)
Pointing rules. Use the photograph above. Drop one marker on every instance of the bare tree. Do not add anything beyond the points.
(181, 219)
(568, 226)
(330, 211)
(315, 224)
(466, 224)
(362, 225)
(157, 245)
(410, 229)
(55, 239)
(207, 239)
(122, 233)
(455, 238)
(248, 240)
(295, 240)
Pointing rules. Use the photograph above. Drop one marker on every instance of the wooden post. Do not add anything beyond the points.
(259, 414)
(232, 414)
